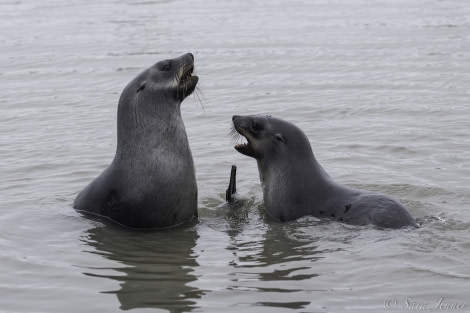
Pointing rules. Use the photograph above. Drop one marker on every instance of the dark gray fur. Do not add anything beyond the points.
(231, 191)
(295, 184)
(151, 182)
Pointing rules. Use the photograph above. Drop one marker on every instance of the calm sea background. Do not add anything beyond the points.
(381, 88)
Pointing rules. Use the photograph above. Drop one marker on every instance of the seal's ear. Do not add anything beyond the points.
(280, 138)
(141, 86)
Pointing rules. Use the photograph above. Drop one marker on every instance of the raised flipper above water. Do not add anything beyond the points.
(232, 187)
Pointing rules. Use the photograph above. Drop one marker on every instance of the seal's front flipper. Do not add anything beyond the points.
(232, 187)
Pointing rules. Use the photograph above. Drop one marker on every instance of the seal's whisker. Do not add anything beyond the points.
(200, 97)
(235, 136)
(199, 90)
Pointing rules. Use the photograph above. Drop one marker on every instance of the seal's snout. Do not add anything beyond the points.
(188, 55)
(237, 124)
(241, 133)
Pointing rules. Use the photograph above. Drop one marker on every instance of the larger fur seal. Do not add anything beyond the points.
(151, 182)
(296, 185)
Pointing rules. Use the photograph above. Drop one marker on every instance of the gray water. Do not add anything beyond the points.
(381, 88)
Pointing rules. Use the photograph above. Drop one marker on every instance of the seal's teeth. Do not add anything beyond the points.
(243, 142)
(242, 145)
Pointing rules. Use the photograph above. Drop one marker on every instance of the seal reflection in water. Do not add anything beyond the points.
(296, 185)
(151, 182)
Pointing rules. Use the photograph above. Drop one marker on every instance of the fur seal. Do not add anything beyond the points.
(295, 184)
(151, 182)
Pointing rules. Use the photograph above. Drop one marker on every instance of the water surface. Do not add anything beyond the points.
(380, 88)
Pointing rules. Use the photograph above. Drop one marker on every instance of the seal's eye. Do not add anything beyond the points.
(167, 66)
(256, 126)
(141, 86)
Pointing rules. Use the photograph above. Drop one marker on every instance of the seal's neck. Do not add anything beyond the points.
(292, 184)
(292, 168)
(150, 132)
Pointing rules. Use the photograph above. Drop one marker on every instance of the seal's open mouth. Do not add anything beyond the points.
(242, 142)
(187, 81)
(187, 74)
(243, 145)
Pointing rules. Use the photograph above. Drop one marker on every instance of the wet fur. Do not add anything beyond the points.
(296, 185)
(151, 182)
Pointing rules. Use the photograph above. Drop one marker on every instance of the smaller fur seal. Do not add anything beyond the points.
(295, 184)
(151, 182)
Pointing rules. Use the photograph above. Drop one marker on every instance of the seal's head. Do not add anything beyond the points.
(172, 77)
(268, 137)
(166, 82)
(152, 100)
